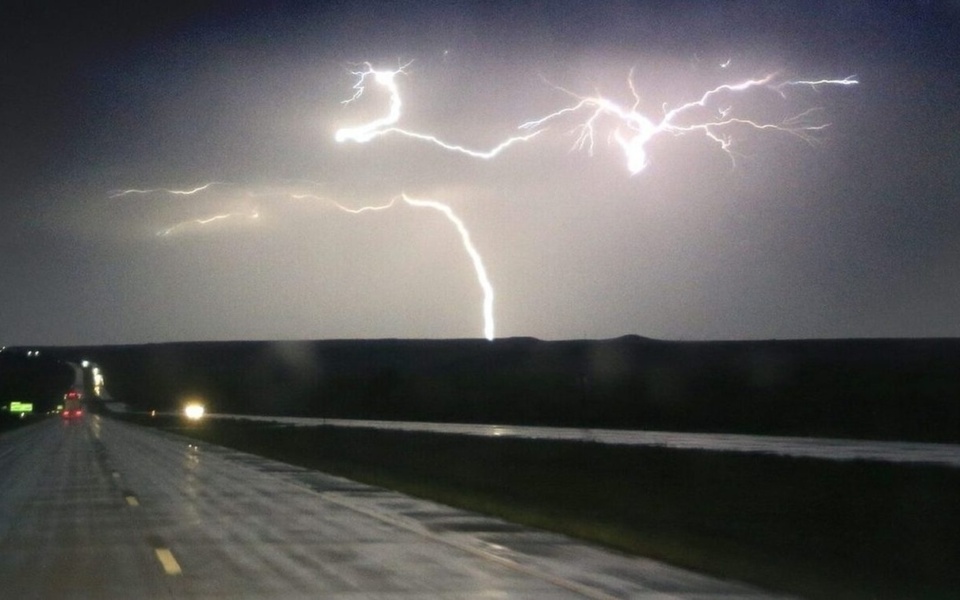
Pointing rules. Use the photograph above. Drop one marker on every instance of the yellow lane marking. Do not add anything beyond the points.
(170, 564)
(132, 500)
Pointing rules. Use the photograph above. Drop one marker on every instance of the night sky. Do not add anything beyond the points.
(854, 235)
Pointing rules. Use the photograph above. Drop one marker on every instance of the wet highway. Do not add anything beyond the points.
(98, 508)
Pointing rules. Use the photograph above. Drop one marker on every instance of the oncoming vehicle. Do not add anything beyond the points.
(71, 405)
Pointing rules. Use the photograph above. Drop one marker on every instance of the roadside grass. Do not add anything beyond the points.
(9, 422)
(820, 529)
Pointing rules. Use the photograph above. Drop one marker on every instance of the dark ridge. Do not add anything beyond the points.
(857, 388)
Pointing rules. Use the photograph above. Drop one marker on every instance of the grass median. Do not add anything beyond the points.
(820, 529)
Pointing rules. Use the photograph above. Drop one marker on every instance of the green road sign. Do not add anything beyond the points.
(21, 407)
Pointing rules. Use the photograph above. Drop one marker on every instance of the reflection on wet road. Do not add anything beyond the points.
(821, 448)
(103, 509)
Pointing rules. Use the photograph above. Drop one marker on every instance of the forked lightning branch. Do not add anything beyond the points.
(712, 116)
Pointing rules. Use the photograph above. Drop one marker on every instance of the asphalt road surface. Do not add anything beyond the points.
(98, 508)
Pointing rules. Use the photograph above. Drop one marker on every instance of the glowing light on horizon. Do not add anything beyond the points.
(194, 411)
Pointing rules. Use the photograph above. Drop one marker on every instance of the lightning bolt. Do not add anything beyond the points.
(385, 124)
(205, 221)
(465, 239)
(488, 324)
(626, 126)
(197, 190)
(631, 130)
(635, 130)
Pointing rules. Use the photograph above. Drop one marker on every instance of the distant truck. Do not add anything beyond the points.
(71, 405)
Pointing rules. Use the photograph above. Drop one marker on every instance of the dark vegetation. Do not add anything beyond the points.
(8, 421)
(822, 529)
(40, 381)
(879, 389)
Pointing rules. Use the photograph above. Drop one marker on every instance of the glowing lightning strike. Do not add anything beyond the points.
(481, 272)
(632, 130)
(488, 326)
(635, 130)
(175, 228)
(485, 285)
(384, 125)
(202, 188)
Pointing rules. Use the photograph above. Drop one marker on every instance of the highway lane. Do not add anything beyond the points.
(820, 448)
(63, 524)
(98, 508)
